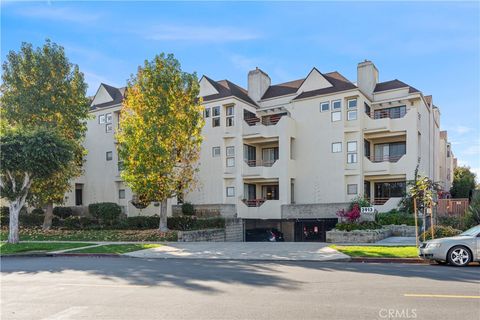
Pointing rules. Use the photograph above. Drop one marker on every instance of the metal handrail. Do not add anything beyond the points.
(376, 159)
(260, 163)
(387, 113)
(254, 202)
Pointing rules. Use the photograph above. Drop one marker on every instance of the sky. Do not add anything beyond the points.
(432, 46)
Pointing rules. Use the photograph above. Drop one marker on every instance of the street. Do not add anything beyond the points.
(132, 288)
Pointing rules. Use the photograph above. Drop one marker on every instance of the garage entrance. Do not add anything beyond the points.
(313, 230)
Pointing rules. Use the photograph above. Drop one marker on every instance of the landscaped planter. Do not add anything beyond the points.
(358, 236)
(216, 235)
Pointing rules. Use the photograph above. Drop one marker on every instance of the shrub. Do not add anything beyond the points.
(187, 209)
(30, 220)
(62, 212)
(364, 225)
(360, 202)
(395, 217)
(185, 223)
(140, 222)
(75, 223)
(440, 232)
(105, 212)
(456, 222)
(351, 215)
(473, 211)
(38, 211)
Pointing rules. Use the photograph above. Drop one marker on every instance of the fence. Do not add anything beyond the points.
(451, 207)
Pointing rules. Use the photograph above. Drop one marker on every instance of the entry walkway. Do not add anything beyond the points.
(285, 251)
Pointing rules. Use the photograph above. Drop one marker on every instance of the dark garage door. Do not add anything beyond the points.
(313, 230)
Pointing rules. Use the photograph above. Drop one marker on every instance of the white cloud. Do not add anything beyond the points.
(244, 63)
(472, 150)
(200, 33)
(59, 14)
(462, 129)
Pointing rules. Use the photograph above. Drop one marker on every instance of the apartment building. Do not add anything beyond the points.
(288, 155)
(101, 181)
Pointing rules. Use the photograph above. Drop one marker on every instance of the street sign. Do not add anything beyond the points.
(367, 210)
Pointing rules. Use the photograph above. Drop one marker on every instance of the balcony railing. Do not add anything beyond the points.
(254, 202)
(387, 113)
(270, 120)
(378, 201)
(385, 158)
(260, 163)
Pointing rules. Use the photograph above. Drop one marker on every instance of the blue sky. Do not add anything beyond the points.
(434, 47)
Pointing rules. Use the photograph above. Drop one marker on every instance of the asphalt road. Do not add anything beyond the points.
(132, 288)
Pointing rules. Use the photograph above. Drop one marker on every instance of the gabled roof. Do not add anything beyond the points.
(117, 95)
(339, 83)
(393, 84)
(227, 89)
(283, 89)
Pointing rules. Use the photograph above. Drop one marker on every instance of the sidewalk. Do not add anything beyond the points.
(285, 251)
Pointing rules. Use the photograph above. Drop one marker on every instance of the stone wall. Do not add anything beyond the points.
(208, 210)
(312, 211)
(357, 236)
(215, 235)
(233, 232)
(401, 230)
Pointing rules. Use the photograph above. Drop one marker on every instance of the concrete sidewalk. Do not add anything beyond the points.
(285, 251)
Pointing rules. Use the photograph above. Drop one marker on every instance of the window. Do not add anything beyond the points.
(230, 116)
(352, 104)
(109, 155)
(336, 147)
(230, 191)
(336, 116)
(337, 105)
(120, 165)
(108, 127)
(216, 152)
(230, 151)
(78, 194)
(230, 162)
(352, 115)
(366, 147)
(352, 152)
(216, 117)
(352, 189)
(324, 106)
(270, 192)
(207, 112)
(108, 118)
(121, 194)
(101, 119)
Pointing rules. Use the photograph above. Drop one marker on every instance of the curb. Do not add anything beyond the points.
(389, 260)
(37, 255)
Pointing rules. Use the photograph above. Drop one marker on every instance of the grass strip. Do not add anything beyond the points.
(8, 248)
(116, 248)
(378, 251)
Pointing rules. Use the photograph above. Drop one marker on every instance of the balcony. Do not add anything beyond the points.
(268, 128)
(260, 163)
(385, 165)
(259, 209)
(381, 121)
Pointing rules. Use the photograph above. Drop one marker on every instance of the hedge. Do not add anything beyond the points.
(187, 209)
(395, 217)
(62, 212)
(107, 213)
(440, 232)
(185, 223)
(364, 225)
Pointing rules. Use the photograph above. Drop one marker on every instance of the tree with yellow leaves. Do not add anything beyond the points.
(160, 132)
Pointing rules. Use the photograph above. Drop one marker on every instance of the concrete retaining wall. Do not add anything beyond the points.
(312, 211)
(401, 230)
(357, 236)
(208, 210)
(233, 232)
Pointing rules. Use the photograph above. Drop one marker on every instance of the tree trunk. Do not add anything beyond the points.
(47, 221)
(15, 207)
(163, 216)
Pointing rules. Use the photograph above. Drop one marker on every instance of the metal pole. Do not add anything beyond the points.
(416, 220)
(431, 219)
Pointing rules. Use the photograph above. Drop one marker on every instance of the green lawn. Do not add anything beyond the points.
(92, 235)
(378, 251)
(8, 248)
(117, 248)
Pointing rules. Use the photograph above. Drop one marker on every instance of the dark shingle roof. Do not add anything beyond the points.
(339, 83)
(117, 95)
(283, 89)
(226, 89)
(393, 84)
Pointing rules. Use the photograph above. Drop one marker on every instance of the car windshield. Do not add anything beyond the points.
(471, 232)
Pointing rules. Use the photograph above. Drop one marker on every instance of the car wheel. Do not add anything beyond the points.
(459, 256)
